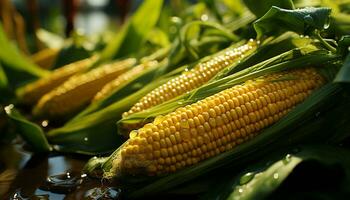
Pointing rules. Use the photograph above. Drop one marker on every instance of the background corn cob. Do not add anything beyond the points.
(125, 77)
(191, 79)
(45, 58)
(78, 91)
(215, 124)
(32, 92)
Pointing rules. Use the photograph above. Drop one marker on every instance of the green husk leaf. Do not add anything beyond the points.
(132, 35)
(264, 182)
(261, 180)
(70, 53)
(3, 78)
(18, 68)
(344, 45)
(30, 132)
(259, 8)
(50, 39)
(99, 138)
(343, 75)
(302, 21)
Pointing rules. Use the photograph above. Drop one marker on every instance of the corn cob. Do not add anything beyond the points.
(45, 58)
(213, 125)
(191, 79)
(78, 91)
(32, 92)
(125, 77)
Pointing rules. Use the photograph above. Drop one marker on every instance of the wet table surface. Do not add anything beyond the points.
(24, 175)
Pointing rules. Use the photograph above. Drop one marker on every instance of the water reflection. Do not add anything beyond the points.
(11, 161)
(63, 183)
(23, 173)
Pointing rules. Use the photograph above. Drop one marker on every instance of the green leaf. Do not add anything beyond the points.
(50, 39)
(71, 52)
(265, 181)
(344, 45)
(30, 132)
(343, 75)
(132, 35)
(98, 138)
(158, 37)
(16, 64)
(259, 8)
(3, 78)
(234, 6)
(98, 128)
(302, 21)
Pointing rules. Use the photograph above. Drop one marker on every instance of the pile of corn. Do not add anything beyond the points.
(175, 118)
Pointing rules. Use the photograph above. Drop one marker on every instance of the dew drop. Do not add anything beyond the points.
(18, 196)
(275, 175)
(287, 159)
(63, 183)
(133, 134)
(102, 193)
(204, 17)
(246, 178)
(45, 123)
(9, 108)
(240, 190)
(187, 73)
(86, 139)
(176, 20)
(327, 23)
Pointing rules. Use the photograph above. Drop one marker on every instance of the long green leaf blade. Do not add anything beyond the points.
(130, 38)
(30, 132)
